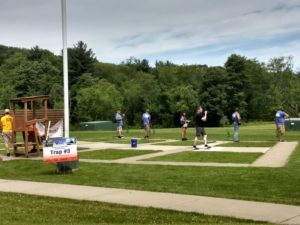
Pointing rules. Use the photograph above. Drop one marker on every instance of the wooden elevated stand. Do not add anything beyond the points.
(26, 124)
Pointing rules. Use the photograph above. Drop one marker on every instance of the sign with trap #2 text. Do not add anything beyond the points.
(60, 150)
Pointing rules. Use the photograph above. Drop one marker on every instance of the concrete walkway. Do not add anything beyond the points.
(275, 213)
(277, 156)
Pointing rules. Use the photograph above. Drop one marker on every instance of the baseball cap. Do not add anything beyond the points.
(6, 110)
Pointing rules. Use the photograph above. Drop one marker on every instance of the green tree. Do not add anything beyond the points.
(260, 102)
(113, 73)
(141, 93)
(56, 96)
(7, 92)
(214, 96)
(10, 76)
(237, 85)
(81, 60)
(281, 71)
(182, 99)
(98, 102)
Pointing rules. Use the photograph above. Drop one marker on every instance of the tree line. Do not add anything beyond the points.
(98, 89)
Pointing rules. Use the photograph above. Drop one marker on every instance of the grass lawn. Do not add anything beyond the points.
(22, 209)
(264, 132)
(217, 157)
(110, 137)
(111, 154)
(279, 185)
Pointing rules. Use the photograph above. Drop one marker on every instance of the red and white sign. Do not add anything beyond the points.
(60, 150)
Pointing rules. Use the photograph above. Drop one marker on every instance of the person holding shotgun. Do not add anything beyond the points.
(280, 117)
(119, 120)
(236, 120)
(146, 121)
(200, 119)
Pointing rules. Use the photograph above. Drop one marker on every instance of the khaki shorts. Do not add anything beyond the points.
(280, 130)
(7, 137)
(146, 127)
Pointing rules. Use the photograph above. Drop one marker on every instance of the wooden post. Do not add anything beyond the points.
(45, 102)
(25, 129)
(14, 131)
(33, 103)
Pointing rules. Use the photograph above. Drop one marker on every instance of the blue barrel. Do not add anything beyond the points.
(133, 143)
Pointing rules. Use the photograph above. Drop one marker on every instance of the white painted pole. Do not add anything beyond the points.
(65, 65)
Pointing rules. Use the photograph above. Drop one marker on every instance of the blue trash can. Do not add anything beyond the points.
(133, 143)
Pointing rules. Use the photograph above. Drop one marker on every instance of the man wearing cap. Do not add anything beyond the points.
(146, 117)
(236, 119)
(119, 120)
(7, 130)
(280, 117)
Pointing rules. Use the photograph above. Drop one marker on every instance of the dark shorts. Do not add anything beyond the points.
(200, 131)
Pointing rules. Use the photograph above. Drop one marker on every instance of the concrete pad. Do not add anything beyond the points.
(293, 221)
(275, 213)
(277, 156)
(138, 198)
(238, 149)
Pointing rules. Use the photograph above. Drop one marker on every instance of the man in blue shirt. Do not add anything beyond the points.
(280, 117)
(119, 120)
(146, 121)
(236, 119)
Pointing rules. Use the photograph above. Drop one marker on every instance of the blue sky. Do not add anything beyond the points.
(181, 31)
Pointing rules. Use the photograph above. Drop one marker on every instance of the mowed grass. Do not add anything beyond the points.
(111, 154)
(110, 137)
(278, 185)
(22, 209)
(214, 157)
(265, 132)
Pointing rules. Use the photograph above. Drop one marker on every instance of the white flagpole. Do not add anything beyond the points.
(65, 66)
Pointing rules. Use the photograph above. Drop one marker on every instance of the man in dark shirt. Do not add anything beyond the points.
(200, 118)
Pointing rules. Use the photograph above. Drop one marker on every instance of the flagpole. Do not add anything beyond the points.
(65, 68)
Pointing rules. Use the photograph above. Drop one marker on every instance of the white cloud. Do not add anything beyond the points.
(116, 29)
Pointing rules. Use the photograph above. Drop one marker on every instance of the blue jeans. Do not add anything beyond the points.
(236, 127)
